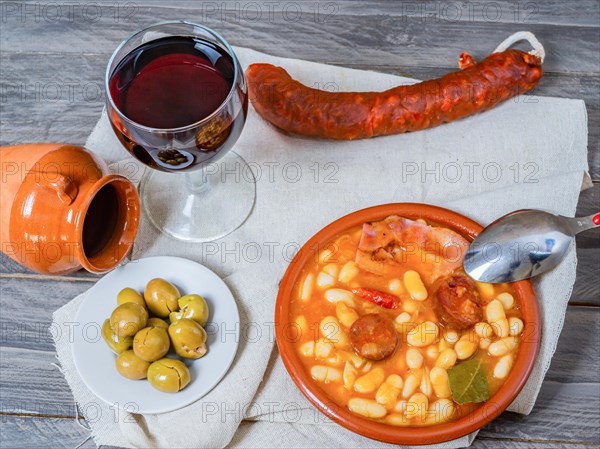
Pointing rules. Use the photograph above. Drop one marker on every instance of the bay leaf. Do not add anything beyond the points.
(468, 382)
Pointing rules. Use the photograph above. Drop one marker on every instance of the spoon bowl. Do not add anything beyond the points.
(523, 244)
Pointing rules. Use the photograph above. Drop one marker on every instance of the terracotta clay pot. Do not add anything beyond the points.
(439, 433)
(61, 209)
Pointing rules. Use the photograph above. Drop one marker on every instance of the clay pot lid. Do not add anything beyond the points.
(523, 365)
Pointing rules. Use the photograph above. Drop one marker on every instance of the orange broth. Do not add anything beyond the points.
(390, 403)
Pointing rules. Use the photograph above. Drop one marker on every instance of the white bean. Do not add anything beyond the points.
(495, 315)
(485, 290)
(325, 374)
(348, 272)
(332, 330)
(387, 395)
(417, 405)
(426, 383)
(323, 348)
(370, 381)
(395, 380)
(446, 359)
(414, 358)
(440, 411)
(403, 318)
(432, 352)
(503, 346)
(325, 256)
(367, 408)
(507, 300)
(515, 325)
(397, 419)
(409, 305)
(400, 406)
(494, 311)
(395, 286)
(335, 295)
(503, 366)
(465, 348)
(350, 374)
(307, 349)
(415, 286)
(451, 337)
(484, 330)
(423, 335)
(346, 315)
(356, 360)
(501, 328)
(335, 360)
(325, 280)
(411, 384)
(307, 287)
(331, 269)
(439, 382)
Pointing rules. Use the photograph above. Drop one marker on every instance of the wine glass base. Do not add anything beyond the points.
(200, 206)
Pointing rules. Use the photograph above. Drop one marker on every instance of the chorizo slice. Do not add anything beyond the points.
(373, 336)
(457, 302)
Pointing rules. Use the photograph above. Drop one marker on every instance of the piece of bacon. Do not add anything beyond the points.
(388, 245)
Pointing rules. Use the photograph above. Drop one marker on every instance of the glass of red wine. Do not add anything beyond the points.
(177, 101)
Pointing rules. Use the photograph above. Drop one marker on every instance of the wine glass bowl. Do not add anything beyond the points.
(176, 98)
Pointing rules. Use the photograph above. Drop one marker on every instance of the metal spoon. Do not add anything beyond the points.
(523, 244)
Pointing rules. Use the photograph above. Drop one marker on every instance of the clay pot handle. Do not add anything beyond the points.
(64, 187)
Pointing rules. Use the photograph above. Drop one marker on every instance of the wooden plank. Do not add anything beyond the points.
(587, 288)
(589, 204)
(577, 357)
(553, 12)
(30, 384)
(27, 306)
(58, 102)
(36, 433)
(563, 412)
(392, 40)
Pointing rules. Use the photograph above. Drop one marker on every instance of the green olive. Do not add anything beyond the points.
(161, 297)
(151, 343)
(193, 307)
(128, 319)
(130, 295)
(114, 342)
(168, 375)
(188, 338)
(157, 322)
(131, 366)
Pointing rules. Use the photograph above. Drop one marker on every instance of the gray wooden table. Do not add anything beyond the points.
(52, 61)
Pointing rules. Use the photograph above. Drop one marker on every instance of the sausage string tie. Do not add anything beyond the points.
(538, 48)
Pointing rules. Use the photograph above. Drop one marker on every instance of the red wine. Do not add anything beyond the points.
(172, 83)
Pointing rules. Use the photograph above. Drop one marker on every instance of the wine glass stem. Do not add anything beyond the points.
(196, 181)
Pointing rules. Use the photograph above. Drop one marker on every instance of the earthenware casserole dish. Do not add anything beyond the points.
(523, 363)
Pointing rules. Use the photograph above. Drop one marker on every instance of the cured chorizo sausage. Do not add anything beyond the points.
(373, 336)
(296, 108)
(457, 302)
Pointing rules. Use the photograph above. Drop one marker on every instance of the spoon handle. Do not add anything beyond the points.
(580, 224)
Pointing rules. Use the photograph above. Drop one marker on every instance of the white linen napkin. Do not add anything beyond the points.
(529, 152)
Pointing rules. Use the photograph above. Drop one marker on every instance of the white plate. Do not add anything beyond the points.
(95, 362)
